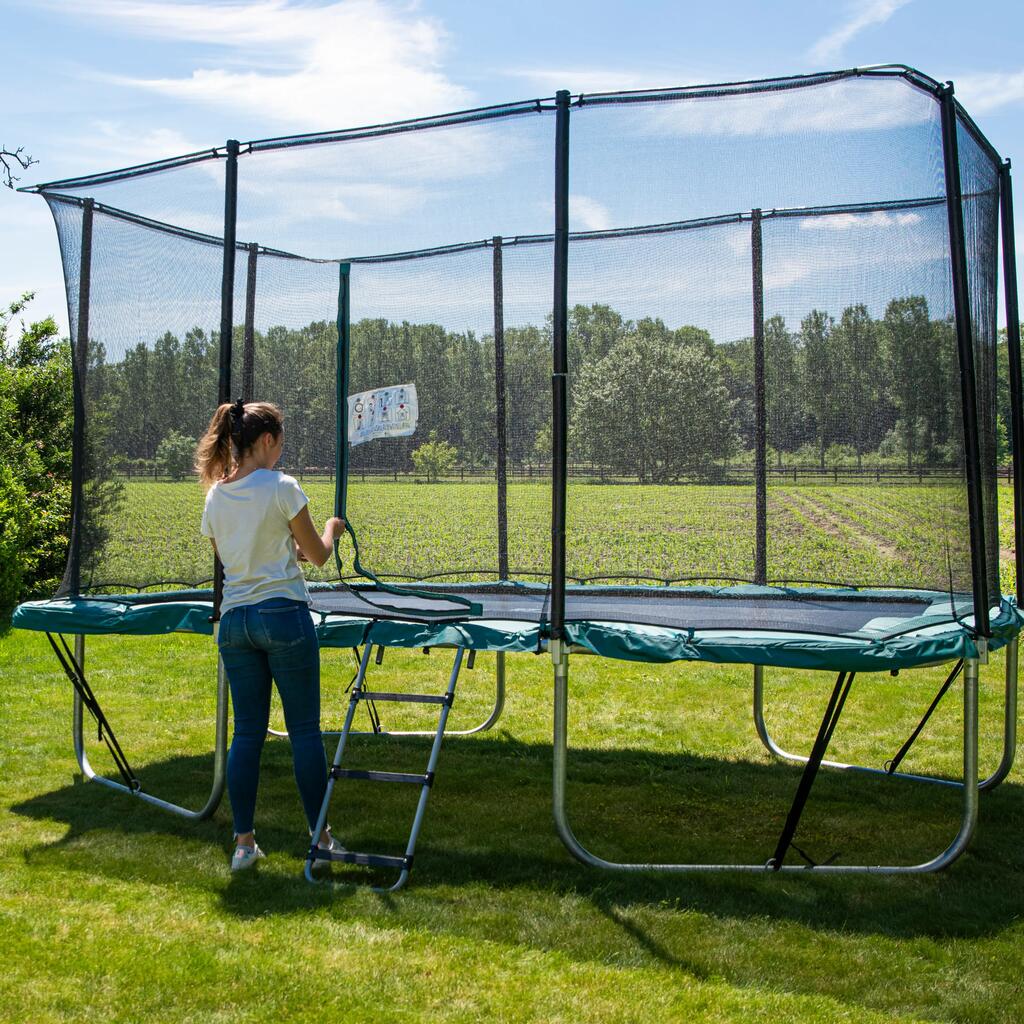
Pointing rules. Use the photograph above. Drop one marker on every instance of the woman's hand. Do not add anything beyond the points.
(308, 545)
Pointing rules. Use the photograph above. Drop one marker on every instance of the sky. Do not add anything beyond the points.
(91, 85)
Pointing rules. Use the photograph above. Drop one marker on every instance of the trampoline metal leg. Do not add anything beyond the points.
(993, 780)
(1009, 719)
(969, 812)
(219, 751)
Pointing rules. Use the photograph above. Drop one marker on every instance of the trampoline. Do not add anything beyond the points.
(735, 403)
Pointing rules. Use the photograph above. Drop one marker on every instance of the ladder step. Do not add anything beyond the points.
(405, 698)
(426, 779)
(366, 860)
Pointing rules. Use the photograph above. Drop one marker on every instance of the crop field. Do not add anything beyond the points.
(880, 534)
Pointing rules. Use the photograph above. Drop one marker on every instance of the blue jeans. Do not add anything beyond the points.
(259, 643)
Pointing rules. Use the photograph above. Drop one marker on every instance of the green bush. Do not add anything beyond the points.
(15, 515)
(35, 455)
(434, 458)
(176, 454)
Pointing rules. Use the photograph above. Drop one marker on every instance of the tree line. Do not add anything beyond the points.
(647, 401)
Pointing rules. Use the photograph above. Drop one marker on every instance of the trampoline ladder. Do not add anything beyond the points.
(403, 863)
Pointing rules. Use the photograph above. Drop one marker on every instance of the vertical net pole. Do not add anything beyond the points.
(501, 424)
(227, 317)
(968, 389)
(1013, 353)
(79, 362)
(559, 377)
(249, 337)
(341, 400)
(760, 425)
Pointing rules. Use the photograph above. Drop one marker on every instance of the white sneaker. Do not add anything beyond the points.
(246, 857)
(331, 846)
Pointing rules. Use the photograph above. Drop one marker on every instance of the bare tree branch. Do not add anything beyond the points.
(11, 157)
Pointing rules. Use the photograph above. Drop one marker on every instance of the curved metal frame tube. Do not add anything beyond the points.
(488, 723)
(993, 780)
(969, 814)
(220, 751)
(484, 726)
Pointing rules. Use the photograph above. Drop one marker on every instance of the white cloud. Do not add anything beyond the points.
(588, 214)
(986, 91)
(848, 221)
(116, 141)
(923, 245)
(862, 14)
(293, 64)
(845, 106)
(547, 81)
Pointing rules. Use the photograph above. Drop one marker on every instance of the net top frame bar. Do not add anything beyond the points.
(542, 105)
(696, 223)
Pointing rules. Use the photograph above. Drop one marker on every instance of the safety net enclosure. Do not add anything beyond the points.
(736, 335)
(707, 374)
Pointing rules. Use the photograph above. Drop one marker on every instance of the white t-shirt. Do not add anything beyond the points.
(248, 520)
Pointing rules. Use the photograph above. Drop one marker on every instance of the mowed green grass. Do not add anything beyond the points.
(112, 910)
(872, 534)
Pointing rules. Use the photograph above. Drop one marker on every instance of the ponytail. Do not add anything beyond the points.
(233, 430)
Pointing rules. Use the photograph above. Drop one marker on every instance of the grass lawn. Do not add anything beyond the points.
(111, 910)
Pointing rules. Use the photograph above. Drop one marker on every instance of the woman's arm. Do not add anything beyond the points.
(313, 546)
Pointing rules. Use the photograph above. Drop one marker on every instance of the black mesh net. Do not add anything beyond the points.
(775, 253)
(979, 178)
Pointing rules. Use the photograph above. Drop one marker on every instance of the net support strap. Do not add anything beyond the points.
(894, 763)
(833, 710)
(104, 732)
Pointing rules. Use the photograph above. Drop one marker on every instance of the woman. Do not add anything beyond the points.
(259, 524)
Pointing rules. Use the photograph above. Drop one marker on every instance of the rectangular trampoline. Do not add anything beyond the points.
(695, 374)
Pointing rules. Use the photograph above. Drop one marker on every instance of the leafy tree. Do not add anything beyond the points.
(782, 387)
(855, 341)
(176, 454)
(434, 458)
(1003, 452)
(910, 366)
(542, 444)
(15, 521)
(592, 331)
(35, 453)
(819, 377)
(653, 408)
(736, 361)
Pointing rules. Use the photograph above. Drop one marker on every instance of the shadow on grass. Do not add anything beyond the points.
(489, 827)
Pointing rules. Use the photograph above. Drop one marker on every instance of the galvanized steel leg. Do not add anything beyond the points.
(1009, 733)
(1009, 718)
(969, 785)
(219, 750)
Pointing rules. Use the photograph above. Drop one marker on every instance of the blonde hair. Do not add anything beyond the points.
(233, 430)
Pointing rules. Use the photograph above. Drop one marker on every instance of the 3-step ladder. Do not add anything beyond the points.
(403, 864)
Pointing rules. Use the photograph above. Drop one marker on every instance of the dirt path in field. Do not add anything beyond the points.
(837, 525)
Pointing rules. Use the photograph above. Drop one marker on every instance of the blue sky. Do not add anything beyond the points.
(95, 84)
